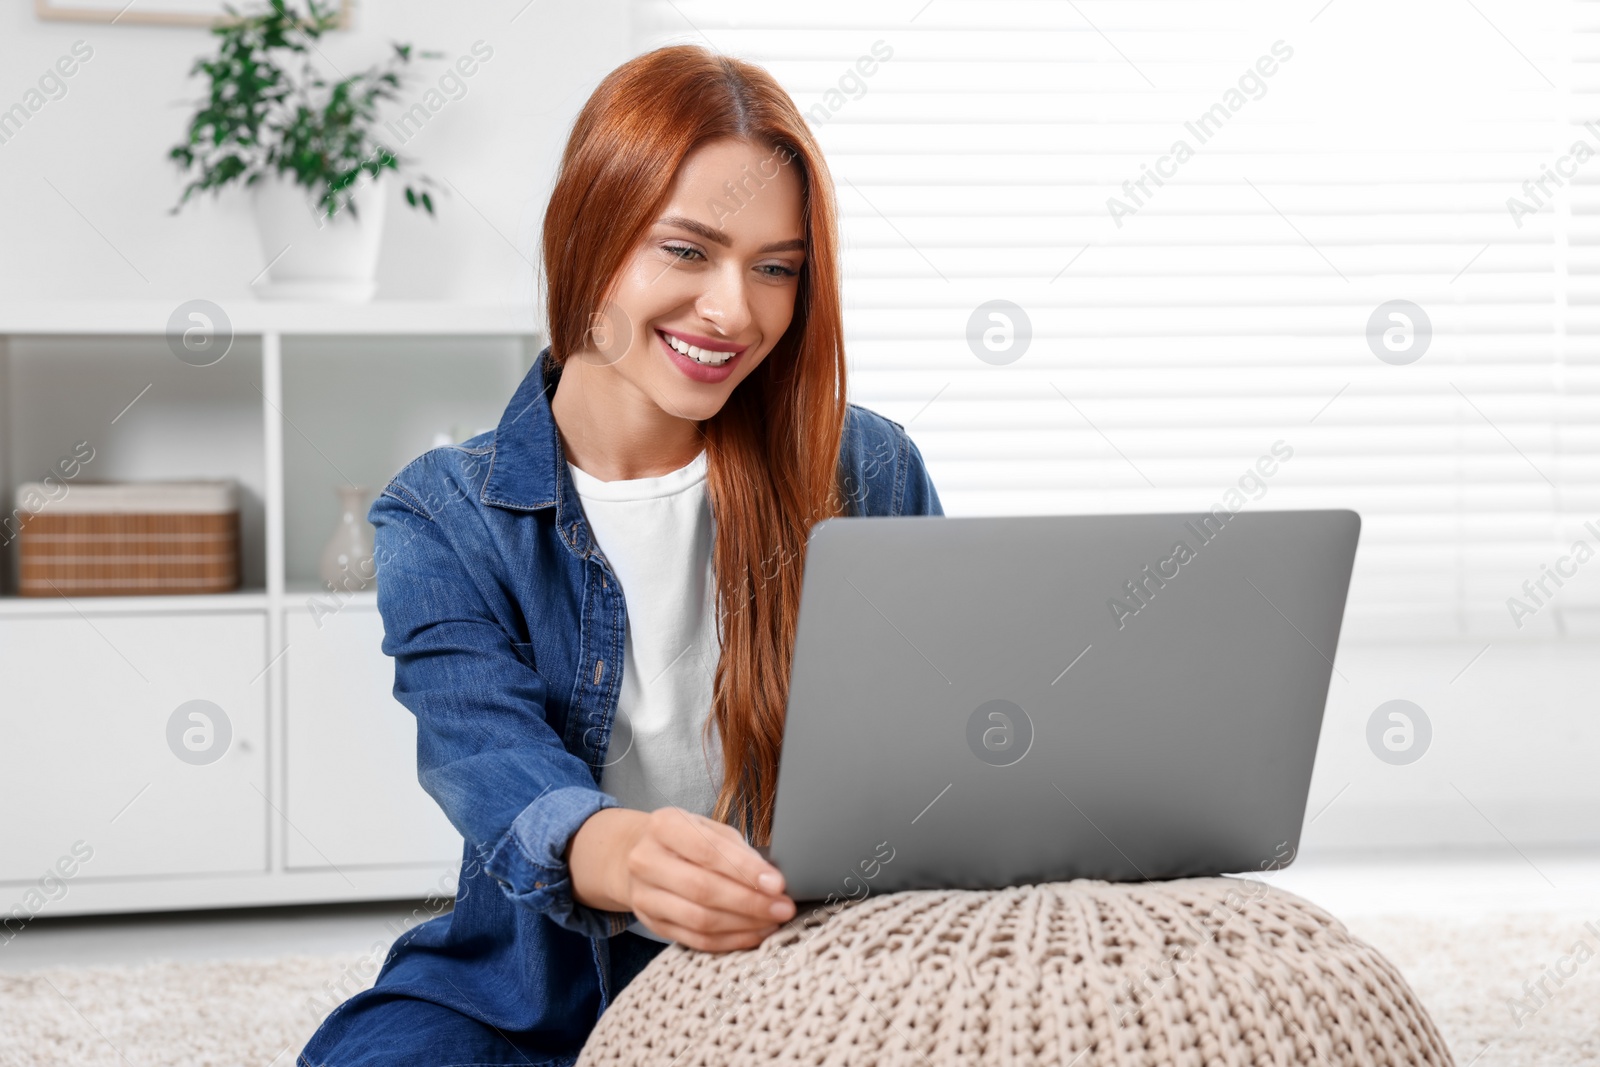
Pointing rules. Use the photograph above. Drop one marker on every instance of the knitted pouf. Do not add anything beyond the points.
(1196, 972)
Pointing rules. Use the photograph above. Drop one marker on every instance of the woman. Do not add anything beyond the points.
(592, 609)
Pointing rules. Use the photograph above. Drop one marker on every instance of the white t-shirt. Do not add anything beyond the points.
(656, 533)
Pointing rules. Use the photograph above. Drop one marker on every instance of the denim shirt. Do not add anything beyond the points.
(506, 627)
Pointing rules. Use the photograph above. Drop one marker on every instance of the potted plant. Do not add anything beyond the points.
(303, 145)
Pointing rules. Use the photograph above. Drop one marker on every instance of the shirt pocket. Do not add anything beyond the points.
(524, 651)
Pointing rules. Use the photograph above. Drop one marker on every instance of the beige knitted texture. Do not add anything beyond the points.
(1198, 972)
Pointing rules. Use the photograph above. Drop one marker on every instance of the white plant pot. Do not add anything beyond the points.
(315, 258)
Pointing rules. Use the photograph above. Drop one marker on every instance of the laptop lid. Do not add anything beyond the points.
(978, 702)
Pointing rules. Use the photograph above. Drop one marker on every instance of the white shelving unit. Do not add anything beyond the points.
(315, 797)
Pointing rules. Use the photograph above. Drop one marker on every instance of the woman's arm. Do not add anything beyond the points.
(531, 810)
(485, 752)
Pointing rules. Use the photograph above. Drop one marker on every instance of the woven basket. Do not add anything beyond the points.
(1193, 972)
(128, 538)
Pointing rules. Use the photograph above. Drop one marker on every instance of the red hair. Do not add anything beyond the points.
(772, 451)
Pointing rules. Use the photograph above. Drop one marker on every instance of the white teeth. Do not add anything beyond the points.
(699, 355)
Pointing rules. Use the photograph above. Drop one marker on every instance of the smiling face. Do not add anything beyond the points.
(711, 288)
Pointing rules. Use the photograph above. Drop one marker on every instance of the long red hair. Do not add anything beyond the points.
(772, 451)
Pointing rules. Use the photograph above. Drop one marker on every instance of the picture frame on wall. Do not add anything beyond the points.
(156, 12)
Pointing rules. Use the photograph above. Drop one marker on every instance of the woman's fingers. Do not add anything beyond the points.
(718, 847)
(660, 869)
(667, 900)
(694, 874)
(723, 942)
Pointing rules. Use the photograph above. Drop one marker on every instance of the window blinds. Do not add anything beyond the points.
(1202, 219)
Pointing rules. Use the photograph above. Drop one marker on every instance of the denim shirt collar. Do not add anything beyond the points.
(528, 471)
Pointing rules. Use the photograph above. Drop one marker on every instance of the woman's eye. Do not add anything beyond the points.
(685, 252)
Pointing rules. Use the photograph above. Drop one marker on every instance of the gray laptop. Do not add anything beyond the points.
(979, 702)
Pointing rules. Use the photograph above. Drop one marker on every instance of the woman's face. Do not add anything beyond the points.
(718, 271)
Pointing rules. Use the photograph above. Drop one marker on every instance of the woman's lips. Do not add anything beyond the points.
(700, 372)
(709, 343)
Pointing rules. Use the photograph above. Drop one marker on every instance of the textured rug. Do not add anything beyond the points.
(1516, 991)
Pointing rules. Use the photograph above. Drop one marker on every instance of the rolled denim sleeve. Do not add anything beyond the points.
(485, 751)
(917, 493)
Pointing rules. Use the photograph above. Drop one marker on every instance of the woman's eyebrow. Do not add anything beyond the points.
(711, 233)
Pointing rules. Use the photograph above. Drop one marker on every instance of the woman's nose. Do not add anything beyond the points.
(725, 303)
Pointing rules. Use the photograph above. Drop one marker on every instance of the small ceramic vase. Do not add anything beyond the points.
(347, 563)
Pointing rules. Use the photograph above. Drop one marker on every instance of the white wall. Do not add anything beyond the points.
(104, 144)
(1510, 763)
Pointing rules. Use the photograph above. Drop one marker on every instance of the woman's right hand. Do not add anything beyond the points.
(686, 877)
